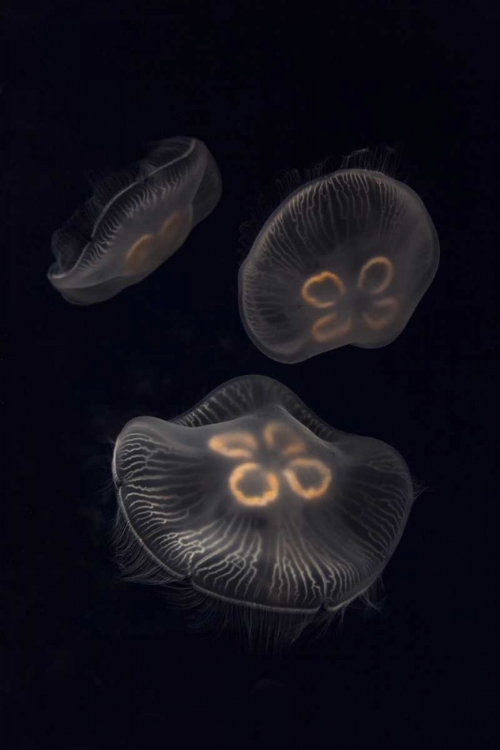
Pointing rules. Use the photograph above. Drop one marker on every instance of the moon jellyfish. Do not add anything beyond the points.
(134, 221)
(265, 515)
(345, 259)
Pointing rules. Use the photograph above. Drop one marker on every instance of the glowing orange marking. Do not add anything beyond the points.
(143, 256)
(234, 444)
(323, 278)
(137, 257)
(328, 328)
(280, 437)
(314, 491)
(364, 275)
(241, 472)
(178, 225)
(389, 306)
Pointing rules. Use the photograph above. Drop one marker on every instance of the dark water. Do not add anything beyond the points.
(89, 662)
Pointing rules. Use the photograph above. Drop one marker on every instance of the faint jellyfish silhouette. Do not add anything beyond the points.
(345, 259)
(269, 517)
(134, 221)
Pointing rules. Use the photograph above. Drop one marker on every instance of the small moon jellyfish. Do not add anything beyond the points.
(264, 515)
(345, 259)
(134, 221)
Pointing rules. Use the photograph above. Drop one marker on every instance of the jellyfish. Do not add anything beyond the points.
(134, 221)
(345, 259)
(264, 514)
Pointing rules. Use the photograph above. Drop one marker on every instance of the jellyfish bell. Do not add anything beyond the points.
(344, 259)
(134, 221)
(265, 515)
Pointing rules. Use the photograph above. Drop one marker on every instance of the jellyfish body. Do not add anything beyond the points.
(345, 259)
(258, 505)
(134, 221)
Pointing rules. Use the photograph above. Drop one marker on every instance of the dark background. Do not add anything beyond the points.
(89, 662)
